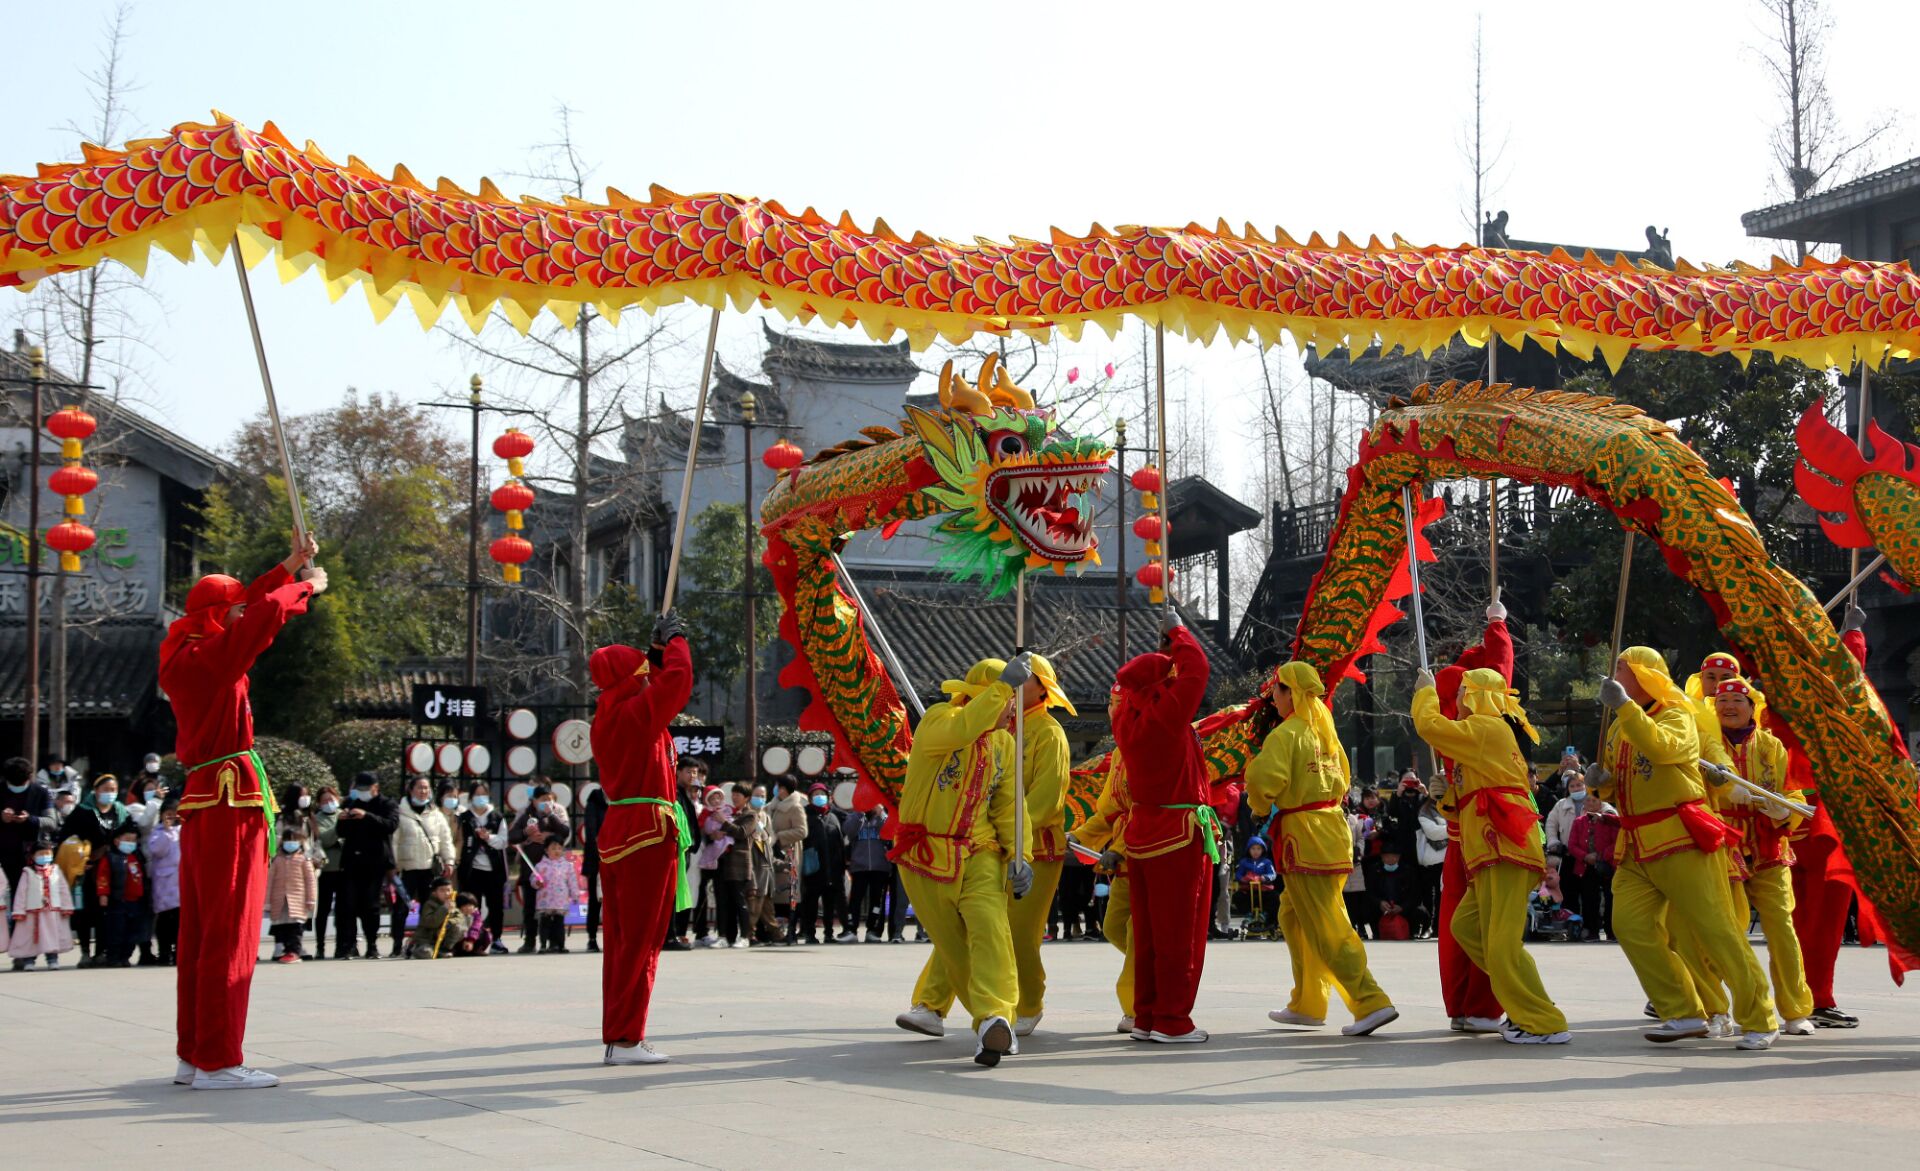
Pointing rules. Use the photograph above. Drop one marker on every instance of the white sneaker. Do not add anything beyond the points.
(1125, 1025)
(923, 1020)
(1193, 1036)
(641, 1054)
(846, 937)
(1721, 1025)
(1286, 1016)
(740, 942)
(1685, 1028)
(234, 1077)
(183, 1074)
(1757, 1040)
(1139, 1034)
(1798, 1027)
(1024, 1026)
(1475, 1024)
(707, 941)
(1373, 1020)
(996, 1040)
(1515, 1035)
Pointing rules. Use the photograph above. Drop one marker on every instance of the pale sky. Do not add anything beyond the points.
(987, 118)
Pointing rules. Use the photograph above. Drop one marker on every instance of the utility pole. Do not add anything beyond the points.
(473, 536)
(1120, 502)
(749, 407)
(30, 745)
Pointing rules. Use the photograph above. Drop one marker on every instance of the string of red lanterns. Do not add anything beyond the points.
(71, 537)
(513, 498)
(1148, 528)
(783, 457)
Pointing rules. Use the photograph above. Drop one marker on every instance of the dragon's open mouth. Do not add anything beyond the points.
(1048, 505)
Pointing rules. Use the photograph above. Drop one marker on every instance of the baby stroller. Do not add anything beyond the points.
(1263, 905)
(1549, 921)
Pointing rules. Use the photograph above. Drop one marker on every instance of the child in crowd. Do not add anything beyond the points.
(121, 891)
(163, 859)
(1257, 877)
(42, 906)
(716, 814)
(1256, 866)
(293, 890)
(478, 940)
(559, 889)
(442, 925)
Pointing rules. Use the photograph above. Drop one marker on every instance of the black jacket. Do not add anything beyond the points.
(366, 843)
(471, 847)
(17, 838)
(828, 838)
(590, 822)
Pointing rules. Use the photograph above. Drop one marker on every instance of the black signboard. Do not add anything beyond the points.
(458, 707)
(699, 742)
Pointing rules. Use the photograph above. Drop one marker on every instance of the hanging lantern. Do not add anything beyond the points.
(513, 498)
(783, 457)
(70, 538)
(1149, 576)
(1147, 528)
(1147, 479)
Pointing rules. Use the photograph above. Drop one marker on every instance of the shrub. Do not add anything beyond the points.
(357, 746)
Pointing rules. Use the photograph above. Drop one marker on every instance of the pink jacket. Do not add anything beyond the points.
(292, 889)
(558, 885)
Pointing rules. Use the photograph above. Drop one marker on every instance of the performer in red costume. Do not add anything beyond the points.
(1172, 842)
(1464, 987)
(645, 831)
(1823, 881)
(226, 810)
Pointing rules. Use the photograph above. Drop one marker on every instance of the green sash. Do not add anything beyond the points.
(682, 889)
(1209, 822)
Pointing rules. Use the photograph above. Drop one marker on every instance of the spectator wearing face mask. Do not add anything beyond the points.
(789, 816)
(42, 910)
(292, 890)
(296, 809)
(365, 829)
(163, 861)
(867, 848)
(330, 904)
(1559, 830)
(119, 889)
(26, 814)
(823, 869)
(95, 826)
(690, 781)
(58, 778)
(146, 794)
(63, 806)
(451, 801)
(422, 852)
(762, 853)
(483, 860)
(540, 822)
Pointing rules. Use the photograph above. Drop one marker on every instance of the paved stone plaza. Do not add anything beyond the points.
(788, 1058)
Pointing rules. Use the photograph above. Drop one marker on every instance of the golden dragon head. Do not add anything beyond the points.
(1020, 492)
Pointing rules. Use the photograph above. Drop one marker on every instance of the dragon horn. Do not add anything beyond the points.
(946, 384)
(1007, 394)
(985, 383)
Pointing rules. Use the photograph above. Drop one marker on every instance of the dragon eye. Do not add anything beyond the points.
(1007, 443)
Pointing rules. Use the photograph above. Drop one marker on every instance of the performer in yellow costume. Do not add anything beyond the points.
(1501, 841)
(1048, 765)
(1106, 831)
(1707, 985)
(1299, 779)
(1759, 756)
(1667, 866)
(954, 844)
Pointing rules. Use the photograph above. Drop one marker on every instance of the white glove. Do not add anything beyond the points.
(1496, 612)
(1017, 672)
(1715, 774)
(1856, 619)
(1737, 795)
(1612, 695)
(1423, 680)
(1020, 874)
(1438, 789)
(1596, 776)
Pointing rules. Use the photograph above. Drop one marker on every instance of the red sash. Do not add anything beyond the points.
(1512, 822)
(1708, 832)
(1308, 808)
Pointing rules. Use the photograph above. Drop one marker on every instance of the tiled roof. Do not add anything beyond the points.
(939, 630)
(1781, 217)
(111, 669)
(801, 356)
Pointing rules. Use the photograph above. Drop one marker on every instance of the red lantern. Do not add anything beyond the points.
(1149, 575)
(515, 444)
(513, 496)
(1147, 479)
(70, 538)
(73, 480)
(511, 552)
(783, 457)
(71, 423)
(1147, 528)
